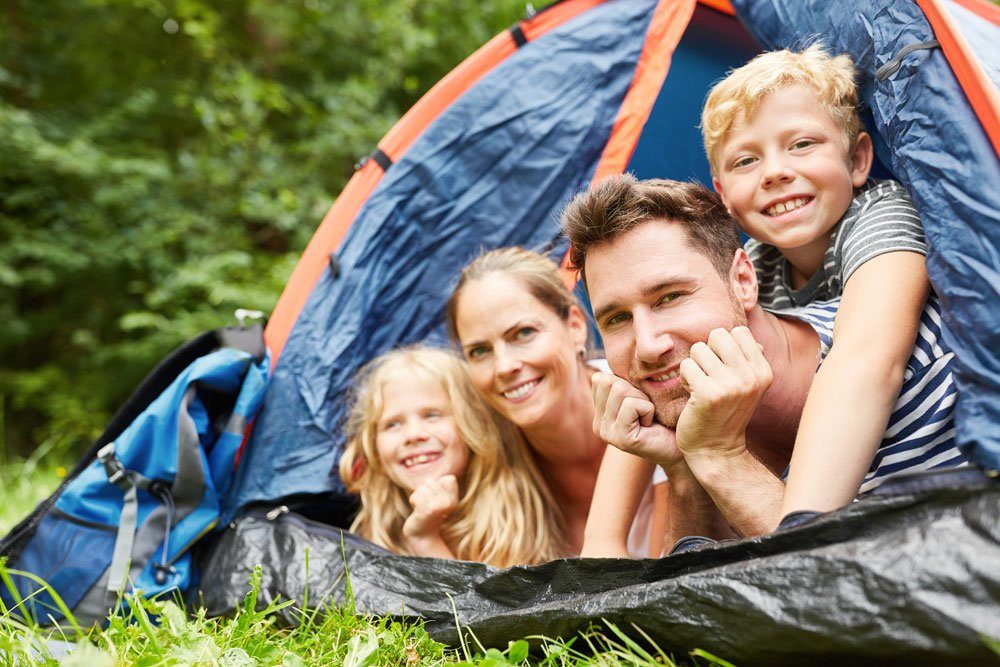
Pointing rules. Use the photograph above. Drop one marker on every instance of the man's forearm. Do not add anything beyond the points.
(747, 493)
(691, 511)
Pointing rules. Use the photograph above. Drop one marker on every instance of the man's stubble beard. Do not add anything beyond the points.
(667, 407)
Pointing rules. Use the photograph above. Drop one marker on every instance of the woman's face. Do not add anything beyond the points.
(523, 358)
(416, 436)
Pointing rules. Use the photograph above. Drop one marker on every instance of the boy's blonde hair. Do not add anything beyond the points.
(506, 514)
(739, 94)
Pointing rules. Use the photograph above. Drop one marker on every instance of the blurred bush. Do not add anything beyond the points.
(163, 162)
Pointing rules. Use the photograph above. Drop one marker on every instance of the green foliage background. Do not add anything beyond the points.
(164, 162)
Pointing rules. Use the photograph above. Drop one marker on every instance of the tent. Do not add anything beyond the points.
(584, 89)
(574, 92)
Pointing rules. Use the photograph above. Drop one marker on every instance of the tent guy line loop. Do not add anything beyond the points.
(891, 67)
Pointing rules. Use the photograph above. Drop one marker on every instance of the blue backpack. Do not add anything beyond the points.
(148, 489)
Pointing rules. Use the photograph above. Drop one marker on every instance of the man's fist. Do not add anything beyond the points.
(726, 378)
(624, 417)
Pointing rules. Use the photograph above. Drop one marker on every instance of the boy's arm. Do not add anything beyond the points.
(856, 387)
(621, 483)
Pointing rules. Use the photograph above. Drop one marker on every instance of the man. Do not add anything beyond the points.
(708, 384)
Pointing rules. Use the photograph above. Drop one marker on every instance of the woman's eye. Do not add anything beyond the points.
(476, 352)
(524, 332)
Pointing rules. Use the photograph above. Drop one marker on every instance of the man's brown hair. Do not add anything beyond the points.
(618, 204)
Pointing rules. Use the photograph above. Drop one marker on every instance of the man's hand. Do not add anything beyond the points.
(432, 502)
(624, 417)
(726, 378)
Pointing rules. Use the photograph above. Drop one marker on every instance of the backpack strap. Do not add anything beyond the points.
(129, 482)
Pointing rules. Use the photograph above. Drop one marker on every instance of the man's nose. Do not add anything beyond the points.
(652, 340)
(507, 362)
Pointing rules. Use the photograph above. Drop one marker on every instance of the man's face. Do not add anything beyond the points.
(654, 297)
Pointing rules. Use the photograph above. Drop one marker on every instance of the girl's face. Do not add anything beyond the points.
(522, 356)
(416, 435)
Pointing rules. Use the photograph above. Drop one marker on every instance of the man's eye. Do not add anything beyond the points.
(616, 319)
(670, 296)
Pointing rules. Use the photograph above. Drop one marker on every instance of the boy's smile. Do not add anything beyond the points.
(787, 176)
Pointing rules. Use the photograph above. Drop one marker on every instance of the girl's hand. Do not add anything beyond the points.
(432, 502)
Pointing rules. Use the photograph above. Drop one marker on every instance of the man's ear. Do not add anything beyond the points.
(743, 280)
(861, 159)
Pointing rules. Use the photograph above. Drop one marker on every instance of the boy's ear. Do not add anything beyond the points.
(743, 280)
(861, 159)
(717, 184)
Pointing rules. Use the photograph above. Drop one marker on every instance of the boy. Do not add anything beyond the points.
(790, 159)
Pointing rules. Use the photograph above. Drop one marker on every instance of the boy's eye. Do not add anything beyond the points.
(744, 161)
(803, 143)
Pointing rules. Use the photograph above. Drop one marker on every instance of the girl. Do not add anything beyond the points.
(439, 474)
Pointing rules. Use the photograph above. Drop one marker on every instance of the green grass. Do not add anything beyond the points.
(23, 484)
(156, 632)
(163, 632)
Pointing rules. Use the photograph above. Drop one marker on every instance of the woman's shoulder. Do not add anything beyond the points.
(599, 364)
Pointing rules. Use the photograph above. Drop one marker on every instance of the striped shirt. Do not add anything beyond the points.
(921, 430)
(880, 219)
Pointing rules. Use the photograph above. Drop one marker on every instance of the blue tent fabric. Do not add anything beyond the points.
(494, 169)
(931, 140)
(670, 145)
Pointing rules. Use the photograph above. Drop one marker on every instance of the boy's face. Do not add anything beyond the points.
(785, 173)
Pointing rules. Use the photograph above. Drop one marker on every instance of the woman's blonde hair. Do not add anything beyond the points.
(539, 274)
(505, 515)
(739, 94)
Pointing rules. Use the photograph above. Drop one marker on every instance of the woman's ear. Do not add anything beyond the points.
(862, 158)
(576, 321)
(743, 280)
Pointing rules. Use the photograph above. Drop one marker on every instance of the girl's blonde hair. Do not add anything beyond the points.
(505, 515)
(739, 94)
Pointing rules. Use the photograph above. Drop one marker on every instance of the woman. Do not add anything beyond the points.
(525, 339)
